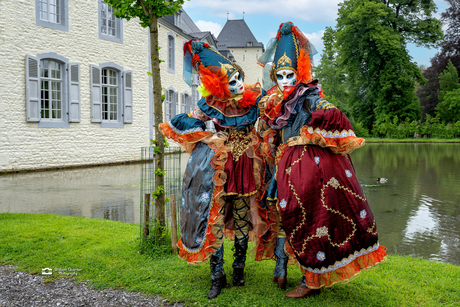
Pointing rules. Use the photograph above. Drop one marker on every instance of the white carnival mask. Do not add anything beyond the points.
(286, 77)
(235, 84)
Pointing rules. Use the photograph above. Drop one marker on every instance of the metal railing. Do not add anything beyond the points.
(150, 226)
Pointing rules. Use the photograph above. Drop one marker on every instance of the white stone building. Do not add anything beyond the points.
(74, 83)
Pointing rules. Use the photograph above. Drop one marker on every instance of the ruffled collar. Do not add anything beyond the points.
(280, 106)
(239, 105)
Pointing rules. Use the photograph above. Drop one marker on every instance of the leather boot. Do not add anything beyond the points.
(239, 263)
(280, 271)
(218, 277)
(241, 216)
(301, 291)
(216, 286)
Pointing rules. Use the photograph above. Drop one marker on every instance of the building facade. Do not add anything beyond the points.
(74, 83)
(237, 43)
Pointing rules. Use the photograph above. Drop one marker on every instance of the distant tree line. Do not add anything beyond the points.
(367, 72)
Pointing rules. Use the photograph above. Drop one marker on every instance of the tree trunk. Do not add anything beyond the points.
(158, 113)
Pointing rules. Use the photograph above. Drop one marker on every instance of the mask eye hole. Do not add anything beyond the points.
(232, 83)
(289, 76)
(279, 77)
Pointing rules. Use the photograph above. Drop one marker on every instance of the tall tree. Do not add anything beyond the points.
(372, 38)
(332, 77)
(448, 107)
(450, 50)
(148, 12)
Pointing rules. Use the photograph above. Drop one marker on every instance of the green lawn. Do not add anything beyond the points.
(107, 254)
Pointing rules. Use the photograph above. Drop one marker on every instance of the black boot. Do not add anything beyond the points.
(216, 286)
(238, 277)
(218, 278)
(239, 263)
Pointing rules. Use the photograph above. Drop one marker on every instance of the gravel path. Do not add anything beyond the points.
(23, 289)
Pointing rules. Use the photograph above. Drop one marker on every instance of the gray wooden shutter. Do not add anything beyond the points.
(128, 96)
(74, 92)
(96, 94)
(187, 104)
(182, 106)
(32, 89)
(176, 103)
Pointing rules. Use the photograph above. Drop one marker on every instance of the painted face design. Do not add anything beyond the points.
(286, 77)
(235, 84)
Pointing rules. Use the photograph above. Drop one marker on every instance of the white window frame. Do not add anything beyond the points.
(171, 52)
(124, 95)
(62, 24)
(118, 37)
(186, 102)
(171, 103)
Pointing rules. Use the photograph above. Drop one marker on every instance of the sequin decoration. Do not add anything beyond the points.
(317, 160)
(283, 203)
(334, 182)
(288, 170)
(190, 160)
(320, 256)
(363, 214)
(348, 173)
(183, 202)
(204, 197)
(321, 231)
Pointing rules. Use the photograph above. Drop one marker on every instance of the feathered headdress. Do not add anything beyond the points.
(213, 68)
(290, 50)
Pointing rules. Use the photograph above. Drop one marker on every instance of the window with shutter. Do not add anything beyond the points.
(48, 90)
(52, 14)
(111, 95)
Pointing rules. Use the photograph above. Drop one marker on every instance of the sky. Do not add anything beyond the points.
(264, 17)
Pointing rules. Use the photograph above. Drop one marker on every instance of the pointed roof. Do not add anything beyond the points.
(236, 33)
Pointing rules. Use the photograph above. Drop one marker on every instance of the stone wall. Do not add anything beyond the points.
(247, 58)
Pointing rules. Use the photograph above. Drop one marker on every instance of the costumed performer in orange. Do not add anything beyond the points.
(224, 176)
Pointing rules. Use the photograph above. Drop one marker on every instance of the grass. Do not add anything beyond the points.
(107, 255)
(411, 140)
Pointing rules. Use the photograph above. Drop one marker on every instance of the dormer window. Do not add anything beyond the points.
(177, 19)
(249, 44)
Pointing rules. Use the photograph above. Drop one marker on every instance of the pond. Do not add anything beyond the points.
(417, 210)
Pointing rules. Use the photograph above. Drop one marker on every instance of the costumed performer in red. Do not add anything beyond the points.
(325, 215)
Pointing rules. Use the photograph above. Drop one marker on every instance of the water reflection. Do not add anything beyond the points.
(110, 192)
(418, 209)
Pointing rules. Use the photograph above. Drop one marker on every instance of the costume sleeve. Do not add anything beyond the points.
(198, 114)
(329, 127)
(185, 130)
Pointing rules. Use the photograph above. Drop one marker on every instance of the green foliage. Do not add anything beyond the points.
(144, 9)
(371, 38)
(432, 127)
(448, 81)
(448, 108)
(109, 256)
(332, 77)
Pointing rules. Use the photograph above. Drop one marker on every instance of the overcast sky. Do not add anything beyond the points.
(264, 18)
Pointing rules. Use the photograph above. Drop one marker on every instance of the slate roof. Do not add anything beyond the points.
(236, 33)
